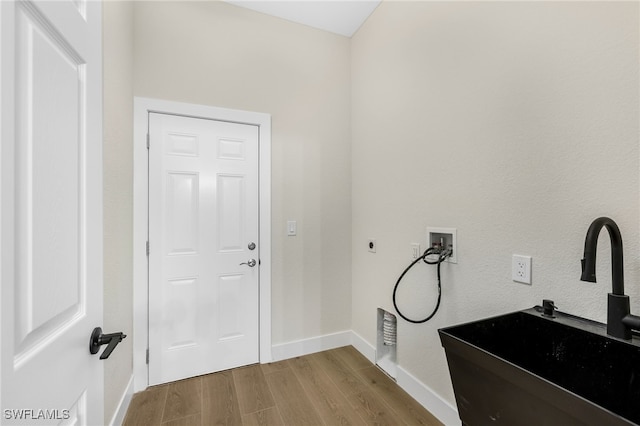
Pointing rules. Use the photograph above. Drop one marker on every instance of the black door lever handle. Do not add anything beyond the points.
(98, 339)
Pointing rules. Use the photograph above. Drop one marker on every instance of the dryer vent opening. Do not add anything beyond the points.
(389, 326)
(386, 344)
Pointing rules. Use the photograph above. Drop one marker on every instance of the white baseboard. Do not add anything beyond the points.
(422, 393)
(311, 345)
(431, 401)
(366, 349)
(123, 405)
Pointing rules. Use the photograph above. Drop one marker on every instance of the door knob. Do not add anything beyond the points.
(251, 263)
(98, 339)
(252, 246)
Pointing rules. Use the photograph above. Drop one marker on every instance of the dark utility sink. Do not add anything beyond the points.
(524, 368)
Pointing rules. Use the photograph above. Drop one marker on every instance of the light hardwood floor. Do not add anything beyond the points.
(336, 387)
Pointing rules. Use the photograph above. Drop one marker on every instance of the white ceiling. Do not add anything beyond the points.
(342, 17)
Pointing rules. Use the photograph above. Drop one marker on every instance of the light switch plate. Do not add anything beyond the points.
(415, 250)
(292, 228)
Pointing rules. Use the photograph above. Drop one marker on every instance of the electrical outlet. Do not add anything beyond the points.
(521, 269)
(371, 245)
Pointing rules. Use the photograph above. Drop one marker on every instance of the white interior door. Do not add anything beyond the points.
(51, 190)
(204, 248)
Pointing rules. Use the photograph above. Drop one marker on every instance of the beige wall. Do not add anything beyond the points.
(216, 54)
(514, 122)
(118, 196)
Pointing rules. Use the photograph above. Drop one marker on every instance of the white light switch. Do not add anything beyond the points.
(292, 228)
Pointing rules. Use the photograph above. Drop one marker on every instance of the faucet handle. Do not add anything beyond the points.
(548, 307)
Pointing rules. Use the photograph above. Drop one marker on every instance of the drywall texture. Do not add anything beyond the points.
(514, 122)
(213, 53)
(118, 196)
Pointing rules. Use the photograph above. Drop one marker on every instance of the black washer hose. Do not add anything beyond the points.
(442, 256)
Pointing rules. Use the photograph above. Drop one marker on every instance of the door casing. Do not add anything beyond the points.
(142, 108)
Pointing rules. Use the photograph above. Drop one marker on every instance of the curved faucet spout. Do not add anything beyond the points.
(590, 246)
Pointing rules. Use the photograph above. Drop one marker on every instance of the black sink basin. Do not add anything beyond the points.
(523, 368)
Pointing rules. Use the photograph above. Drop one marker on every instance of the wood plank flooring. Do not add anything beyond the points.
(336, 387)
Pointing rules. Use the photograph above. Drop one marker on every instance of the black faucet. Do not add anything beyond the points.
(620, 322)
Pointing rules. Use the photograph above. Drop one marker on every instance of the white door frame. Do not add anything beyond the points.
(141, 109)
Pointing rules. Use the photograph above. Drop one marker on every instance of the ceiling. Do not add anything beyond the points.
(336, 16)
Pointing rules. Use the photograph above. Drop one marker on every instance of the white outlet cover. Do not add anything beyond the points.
(521, 269)
(371, 245)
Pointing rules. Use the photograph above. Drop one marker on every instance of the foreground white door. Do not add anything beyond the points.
(204, 248)
(51, 191)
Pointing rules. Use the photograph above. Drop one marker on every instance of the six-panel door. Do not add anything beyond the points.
(203, 219)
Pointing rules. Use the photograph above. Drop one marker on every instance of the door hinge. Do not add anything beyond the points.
(147, 355)
(148, 141)
(147, 248)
